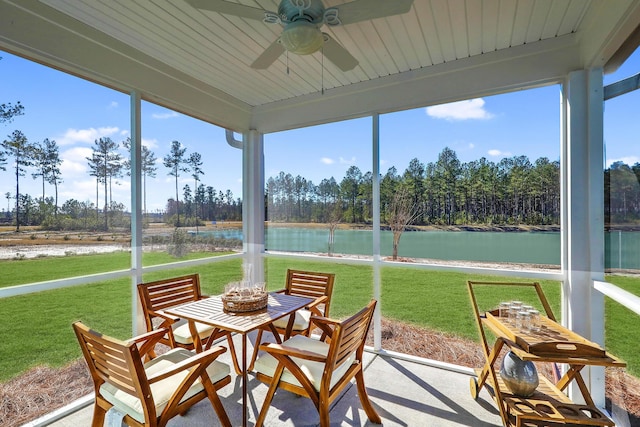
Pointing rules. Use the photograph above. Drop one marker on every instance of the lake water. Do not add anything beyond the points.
(622, 248)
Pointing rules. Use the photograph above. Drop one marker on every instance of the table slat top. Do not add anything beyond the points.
(211, 311)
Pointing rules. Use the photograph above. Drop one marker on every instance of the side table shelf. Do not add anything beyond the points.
(548, 404)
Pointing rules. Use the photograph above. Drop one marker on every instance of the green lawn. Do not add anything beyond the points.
(14, 272)
(41, 331)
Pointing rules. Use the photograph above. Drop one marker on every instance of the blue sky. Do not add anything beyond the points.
(74, 113)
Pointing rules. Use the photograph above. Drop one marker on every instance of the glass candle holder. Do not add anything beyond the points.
(503, 310)
(534, 320)
(523, 321)
(514, 308)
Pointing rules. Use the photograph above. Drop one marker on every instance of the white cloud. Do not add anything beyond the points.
(81, 190)
(327, 161)
(472, 146)
(350, 161)
(150, 143)
(113, 104)
(74, 161)
(74, 136)
(461, 110)
(629, 160)
(498, 153)
(163, 116)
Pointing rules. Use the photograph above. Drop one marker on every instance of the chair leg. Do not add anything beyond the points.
(269, 397)
(256, 348)
(364, 399)
(323, 411)
(99, 414)
(216, 403)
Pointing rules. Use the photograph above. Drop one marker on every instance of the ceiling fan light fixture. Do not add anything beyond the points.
(302, 38)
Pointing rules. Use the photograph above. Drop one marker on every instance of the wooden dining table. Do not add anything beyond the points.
(211, 311)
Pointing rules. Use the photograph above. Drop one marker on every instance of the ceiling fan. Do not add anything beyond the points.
(302, 20)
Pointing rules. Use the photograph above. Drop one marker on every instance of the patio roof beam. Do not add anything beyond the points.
(536, 64)
(623, 86)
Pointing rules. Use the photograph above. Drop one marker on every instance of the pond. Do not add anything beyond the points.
(622, 248)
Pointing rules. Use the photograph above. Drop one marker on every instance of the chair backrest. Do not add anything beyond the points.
(166, 293)
(311, 285)
(114, 362)
(350, 335)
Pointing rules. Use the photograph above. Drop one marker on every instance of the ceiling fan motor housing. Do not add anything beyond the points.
(295, 10)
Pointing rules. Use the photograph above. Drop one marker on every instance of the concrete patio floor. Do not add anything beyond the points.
(404, 392)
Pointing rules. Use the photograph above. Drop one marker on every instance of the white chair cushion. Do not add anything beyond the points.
(182, 333)
(161, 390)
(267, 364)
(301, 322)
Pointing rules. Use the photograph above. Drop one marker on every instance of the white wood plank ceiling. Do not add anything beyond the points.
(211, 53)
(219, 49)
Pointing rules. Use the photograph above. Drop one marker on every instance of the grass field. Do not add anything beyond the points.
(40, 331)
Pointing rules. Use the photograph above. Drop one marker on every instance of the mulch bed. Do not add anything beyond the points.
(42, 390)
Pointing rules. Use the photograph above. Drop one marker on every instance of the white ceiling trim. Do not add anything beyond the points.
(54, 39)
(534, 64)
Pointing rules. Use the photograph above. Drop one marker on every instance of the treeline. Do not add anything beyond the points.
(622, 193)
(107, 165)
(514, 191)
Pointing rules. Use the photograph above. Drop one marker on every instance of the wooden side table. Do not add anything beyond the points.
(551, 343)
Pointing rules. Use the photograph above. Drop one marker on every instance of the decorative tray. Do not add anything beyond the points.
(237, 302)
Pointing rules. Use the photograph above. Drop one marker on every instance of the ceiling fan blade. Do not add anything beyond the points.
(269, 56)
(229, 8)
(337, 54)
(364, 10)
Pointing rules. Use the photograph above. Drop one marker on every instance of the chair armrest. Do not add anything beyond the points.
(169, 318)
(318, 301)
(313, 306)
(293, 352)
(147, 341)
(206, 357)
(325, 324)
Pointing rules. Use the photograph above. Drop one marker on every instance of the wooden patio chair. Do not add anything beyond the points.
(308, 284)
(150, 394)
(162, 294)
(317, 369)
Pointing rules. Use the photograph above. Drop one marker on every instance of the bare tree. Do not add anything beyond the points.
(18, 147)
(402, 211)
(103, 164)
(147, 164)
(195, 163)
(175, 162)
(334, 218)
(46, 160)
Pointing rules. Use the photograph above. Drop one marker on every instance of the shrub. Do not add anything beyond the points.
(178, 247)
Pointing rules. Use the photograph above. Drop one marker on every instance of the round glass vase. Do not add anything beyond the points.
(520, 377)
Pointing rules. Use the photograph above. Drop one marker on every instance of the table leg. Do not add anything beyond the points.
(244, 380)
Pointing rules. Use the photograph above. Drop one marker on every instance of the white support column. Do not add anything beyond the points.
(136, 213)
(253, 202)
(377, 281)
(583, 183)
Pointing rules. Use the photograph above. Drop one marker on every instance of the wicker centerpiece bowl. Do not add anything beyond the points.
(245, 298)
